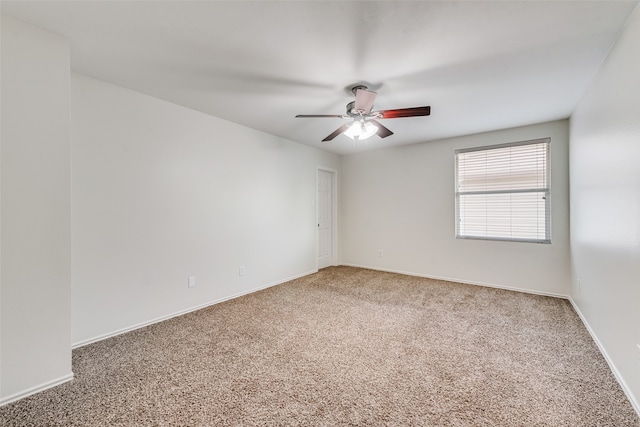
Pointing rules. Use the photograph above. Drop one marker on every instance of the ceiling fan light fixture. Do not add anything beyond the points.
(361, 130)
(365, 123)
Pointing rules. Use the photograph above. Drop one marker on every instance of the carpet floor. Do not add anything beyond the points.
(345, 346)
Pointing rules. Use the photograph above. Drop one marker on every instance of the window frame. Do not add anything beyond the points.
(546, 191)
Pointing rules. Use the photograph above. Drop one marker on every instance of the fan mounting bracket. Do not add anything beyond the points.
(358, 87)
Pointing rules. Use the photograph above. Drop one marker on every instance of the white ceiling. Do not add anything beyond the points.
(480, 65)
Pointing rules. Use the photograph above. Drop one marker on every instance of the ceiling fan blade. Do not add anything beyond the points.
(405, 112)
(336, 132)
(383, 132)
(364, 100)
(315, 116)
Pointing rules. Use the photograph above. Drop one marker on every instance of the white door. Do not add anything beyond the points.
(325, 218)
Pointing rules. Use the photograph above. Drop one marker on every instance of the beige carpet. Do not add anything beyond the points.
(345, 346)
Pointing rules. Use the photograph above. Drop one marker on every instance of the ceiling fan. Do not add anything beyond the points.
(364, 123)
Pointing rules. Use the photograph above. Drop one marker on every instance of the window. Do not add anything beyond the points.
(502, 192)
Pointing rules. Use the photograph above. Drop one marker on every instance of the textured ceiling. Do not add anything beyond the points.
(480, 65)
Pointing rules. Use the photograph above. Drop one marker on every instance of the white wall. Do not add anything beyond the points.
(35, 278)
(401, 200)
(162, 192)
(605, 207)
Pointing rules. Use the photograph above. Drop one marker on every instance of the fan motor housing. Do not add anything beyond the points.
(350, 107)
(351, 112)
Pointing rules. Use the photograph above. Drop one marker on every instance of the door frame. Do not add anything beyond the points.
(334, 214)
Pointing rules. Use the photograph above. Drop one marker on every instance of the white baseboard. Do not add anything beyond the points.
(466, 282)
(612, 366)
(33, 390)
(183, 312)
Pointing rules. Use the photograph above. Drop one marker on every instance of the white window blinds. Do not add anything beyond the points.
(502, 192)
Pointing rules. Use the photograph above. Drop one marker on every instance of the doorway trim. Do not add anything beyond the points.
(334, 214)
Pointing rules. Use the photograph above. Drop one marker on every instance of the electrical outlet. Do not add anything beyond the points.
(191, 281)
(241, 271)
(380, 252)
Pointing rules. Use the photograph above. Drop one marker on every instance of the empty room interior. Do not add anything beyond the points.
(320, 213)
